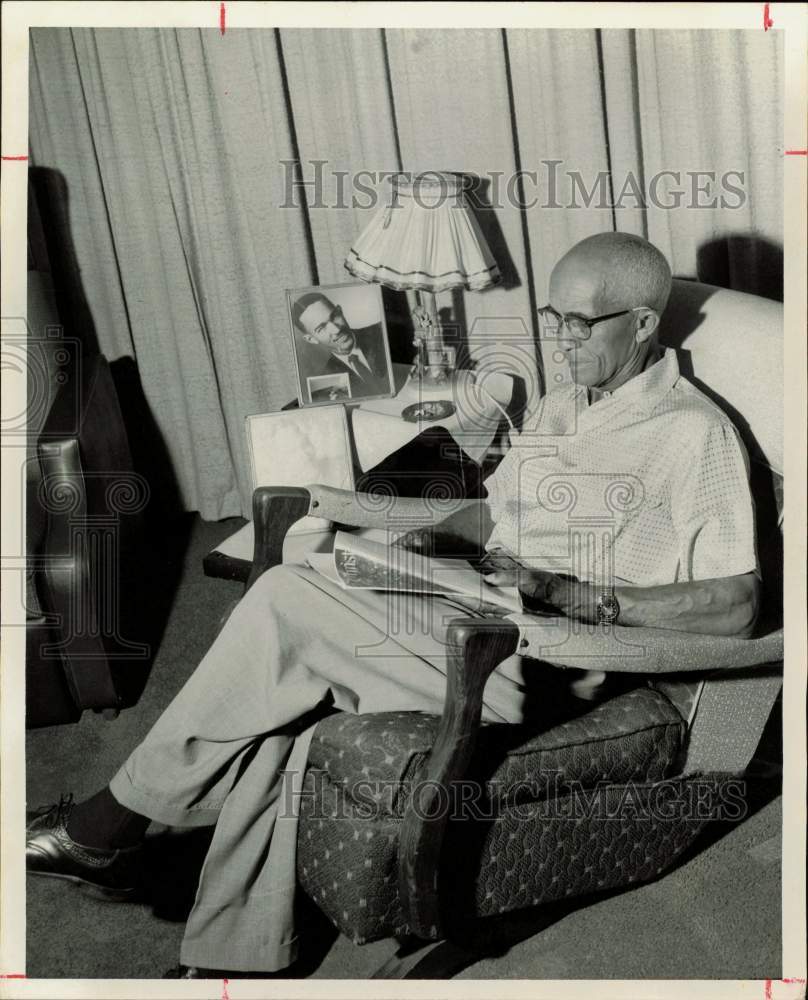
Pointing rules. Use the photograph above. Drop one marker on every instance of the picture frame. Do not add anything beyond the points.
(335, 388)
(339, 343)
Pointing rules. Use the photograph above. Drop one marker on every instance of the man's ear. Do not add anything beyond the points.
(646, 322)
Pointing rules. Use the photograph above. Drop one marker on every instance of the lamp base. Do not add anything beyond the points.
(432, 377)
(434, 364)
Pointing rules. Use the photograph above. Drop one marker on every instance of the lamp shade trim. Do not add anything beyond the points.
(420, 280)
(448, 182)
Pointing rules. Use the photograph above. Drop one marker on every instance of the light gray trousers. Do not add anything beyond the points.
(231, 748)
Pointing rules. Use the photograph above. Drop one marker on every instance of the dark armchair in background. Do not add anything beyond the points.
(403, 868)
(88, 633)
(84, 543)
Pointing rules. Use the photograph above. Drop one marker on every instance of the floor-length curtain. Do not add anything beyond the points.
(184, 254)
(712, 101)
(178, 148)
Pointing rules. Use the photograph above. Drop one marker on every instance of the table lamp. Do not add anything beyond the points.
(426, 240)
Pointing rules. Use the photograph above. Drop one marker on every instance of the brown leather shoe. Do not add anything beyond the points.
(51, 851)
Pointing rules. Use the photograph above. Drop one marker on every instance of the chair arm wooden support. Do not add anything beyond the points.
(475, 649)
(275, 510)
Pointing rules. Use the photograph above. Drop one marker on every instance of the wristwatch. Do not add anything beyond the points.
(608, 608)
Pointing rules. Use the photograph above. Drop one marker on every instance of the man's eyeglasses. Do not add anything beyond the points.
(578, 326)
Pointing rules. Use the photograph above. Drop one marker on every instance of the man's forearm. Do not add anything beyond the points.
(721, 606)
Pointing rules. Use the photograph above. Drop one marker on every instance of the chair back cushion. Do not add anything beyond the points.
(730, 345)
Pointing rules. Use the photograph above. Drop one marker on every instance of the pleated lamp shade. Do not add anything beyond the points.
(426, 238)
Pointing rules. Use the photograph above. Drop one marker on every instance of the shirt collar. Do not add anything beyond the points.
(349, 360)
(647, 389)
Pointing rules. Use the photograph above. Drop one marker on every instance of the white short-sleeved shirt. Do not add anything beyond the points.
(648, 486)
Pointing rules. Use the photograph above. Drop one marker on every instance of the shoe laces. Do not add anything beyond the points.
(57, 813)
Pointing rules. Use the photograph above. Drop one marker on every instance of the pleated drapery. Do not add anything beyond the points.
(177, 148)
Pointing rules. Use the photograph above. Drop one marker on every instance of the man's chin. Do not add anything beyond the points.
(581, 375)
(584, 373)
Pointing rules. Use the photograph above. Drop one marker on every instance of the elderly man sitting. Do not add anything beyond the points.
(233, 742)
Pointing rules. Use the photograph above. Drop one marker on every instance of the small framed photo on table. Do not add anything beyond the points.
(339, 339)
(333, 388)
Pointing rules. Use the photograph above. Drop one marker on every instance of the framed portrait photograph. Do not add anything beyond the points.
(339, 337)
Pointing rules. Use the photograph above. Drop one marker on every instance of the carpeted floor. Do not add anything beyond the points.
(716, 916)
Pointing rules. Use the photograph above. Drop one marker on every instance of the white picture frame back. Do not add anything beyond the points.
(299, 447)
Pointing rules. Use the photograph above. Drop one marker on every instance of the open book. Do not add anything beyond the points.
(361, 564)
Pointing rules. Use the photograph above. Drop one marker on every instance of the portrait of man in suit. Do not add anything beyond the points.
(334, 346)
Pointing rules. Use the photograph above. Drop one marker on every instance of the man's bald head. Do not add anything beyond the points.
(625, 271)
(612, 275)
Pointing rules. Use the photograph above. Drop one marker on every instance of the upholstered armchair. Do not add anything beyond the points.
(604, 800)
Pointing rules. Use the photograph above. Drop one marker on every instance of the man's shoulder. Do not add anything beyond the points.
(692, 407)
(560, 395)
(693, 420)
(370, 341)
(368, 333)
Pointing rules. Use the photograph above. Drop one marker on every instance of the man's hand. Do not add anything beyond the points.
(500, 568)
(422, 540)
(438, 541)
(538, 588)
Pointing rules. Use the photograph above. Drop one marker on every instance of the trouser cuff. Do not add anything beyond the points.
(159, 809)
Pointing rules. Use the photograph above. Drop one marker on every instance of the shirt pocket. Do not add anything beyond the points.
(647, 548)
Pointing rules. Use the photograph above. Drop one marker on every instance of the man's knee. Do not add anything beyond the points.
(273, 582)
(269, 578)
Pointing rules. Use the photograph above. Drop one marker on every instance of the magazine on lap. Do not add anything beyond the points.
(361, 564)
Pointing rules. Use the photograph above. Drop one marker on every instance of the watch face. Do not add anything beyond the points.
(608, 608)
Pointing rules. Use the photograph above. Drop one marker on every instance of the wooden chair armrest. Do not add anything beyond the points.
(476, 647)
(378, 510)
(641, 650)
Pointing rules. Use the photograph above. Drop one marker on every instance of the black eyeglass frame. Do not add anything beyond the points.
(588, 323)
